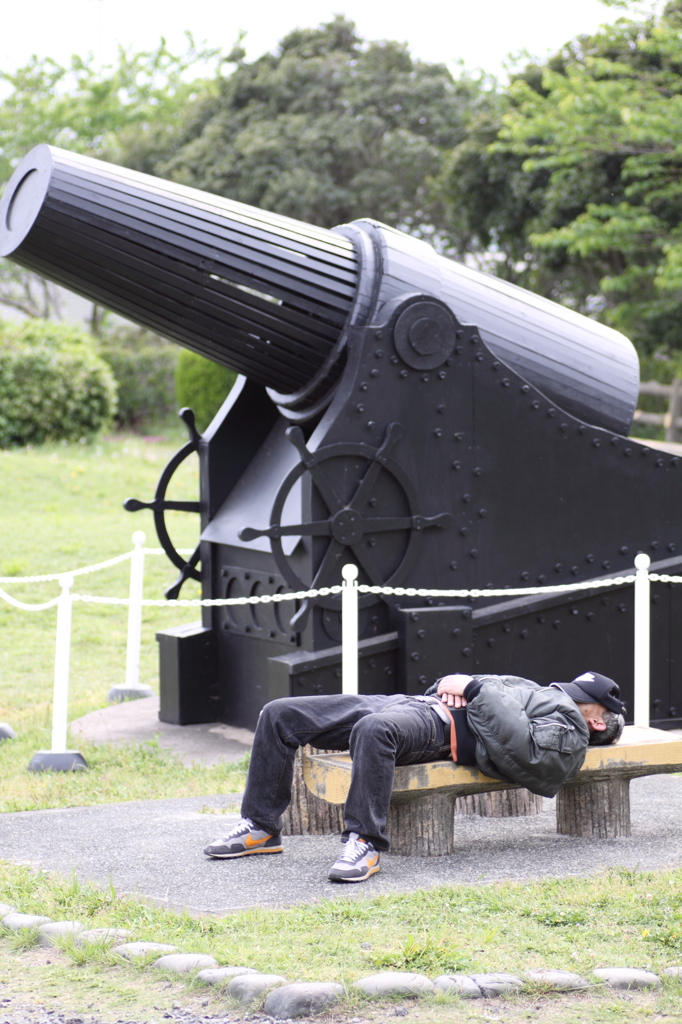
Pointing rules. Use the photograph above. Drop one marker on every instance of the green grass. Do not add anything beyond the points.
(61, 508)
(620, 918)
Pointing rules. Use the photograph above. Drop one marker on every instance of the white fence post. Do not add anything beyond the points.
(59, 758)
(642, 639)
(349, 629)
(132, 689)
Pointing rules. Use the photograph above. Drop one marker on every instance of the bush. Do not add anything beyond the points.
(144, 367)
(202, 385)
(53, 385)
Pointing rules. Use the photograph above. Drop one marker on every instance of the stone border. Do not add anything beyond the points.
(283, 1000)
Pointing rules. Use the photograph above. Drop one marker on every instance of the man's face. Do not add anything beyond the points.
(593, 715)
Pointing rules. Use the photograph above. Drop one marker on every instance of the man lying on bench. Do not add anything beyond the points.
(510, 728)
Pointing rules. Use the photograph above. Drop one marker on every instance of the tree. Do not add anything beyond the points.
(581, 169)
(328, 129)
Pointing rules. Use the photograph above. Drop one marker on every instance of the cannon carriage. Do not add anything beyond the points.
(439, 427)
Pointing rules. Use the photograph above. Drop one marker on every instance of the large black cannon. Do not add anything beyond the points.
(439, 427)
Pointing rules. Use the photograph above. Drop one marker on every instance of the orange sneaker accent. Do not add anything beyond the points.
(250, 843)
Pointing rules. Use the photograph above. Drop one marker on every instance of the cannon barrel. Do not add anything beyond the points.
(263, 294)
(275, 298)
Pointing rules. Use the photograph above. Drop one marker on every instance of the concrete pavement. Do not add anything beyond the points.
(155, 848)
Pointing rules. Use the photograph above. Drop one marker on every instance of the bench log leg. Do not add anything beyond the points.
(423, 827)
(502, 803)
(599, 810)
(307, 814)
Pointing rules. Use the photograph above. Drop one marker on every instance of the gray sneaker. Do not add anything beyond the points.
(243, 840)
(358, 861)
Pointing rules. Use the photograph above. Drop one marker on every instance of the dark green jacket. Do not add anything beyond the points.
(532, 735)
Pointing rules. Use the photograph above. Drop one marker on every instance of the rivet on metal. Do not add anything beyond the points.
(541, 619)
(394, 360)
(606, 565)
(477, 471)
(622, 608)
(474, 553)
(541, 578)
(224, 572)
(655, 545)
(456, 465)
(456, 632)
(525, 389)
(627, 452)
(615, 441)
(438, 432)
(454, 565)
(374, 372)
(414, 617)
(575, 570)
(363, 386)
(426, 378)
(440, 409)
(596, 442)
(506, 629)
(466, 651)
(524, 634)
(659, 462)
(524, 575)
(483, 512)
(466, 498)
(574, 611)
(589, 616)
(672, 547)
(557, 623)
(674, 461)
(551, 413)
(458, 334)
(449, 361)
(458, 351)
(645, 452)
(589, 558)
(371, 425)
(247, 575)
(475, 339)
(563, 427)
(558, 567)
(371, 542)
(505, 382)
(379, 335)
(373, 502)
(403, 373)
(421, 633)
(491, 642)
(359, 407)
(582, 428)
(378, 353)
(464, 530)
(442, 375)
(458, 436)
(495, 366)
(535, 405)
(415, 656)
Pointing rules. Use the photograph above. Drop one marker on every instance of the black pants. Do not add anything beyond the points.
(379, 731)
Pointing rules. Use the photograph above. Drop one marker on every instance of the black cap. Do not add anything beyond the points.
(593, 688)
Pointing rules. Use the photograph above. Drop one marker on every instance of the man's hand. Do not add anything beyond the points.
(451, 690)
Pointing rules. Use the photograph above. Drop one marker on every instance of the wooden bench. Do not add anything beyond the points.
(421, 817)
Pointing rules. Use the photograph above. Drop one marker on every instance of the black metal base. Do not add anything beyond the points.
(51, 761)
(122, 692)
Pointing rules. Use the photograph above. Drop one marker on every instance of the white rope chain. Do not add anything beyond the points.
(559, 588)
(47, 577)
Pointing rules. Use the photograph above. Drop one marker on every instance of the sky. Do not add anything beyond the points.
(481, 33)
